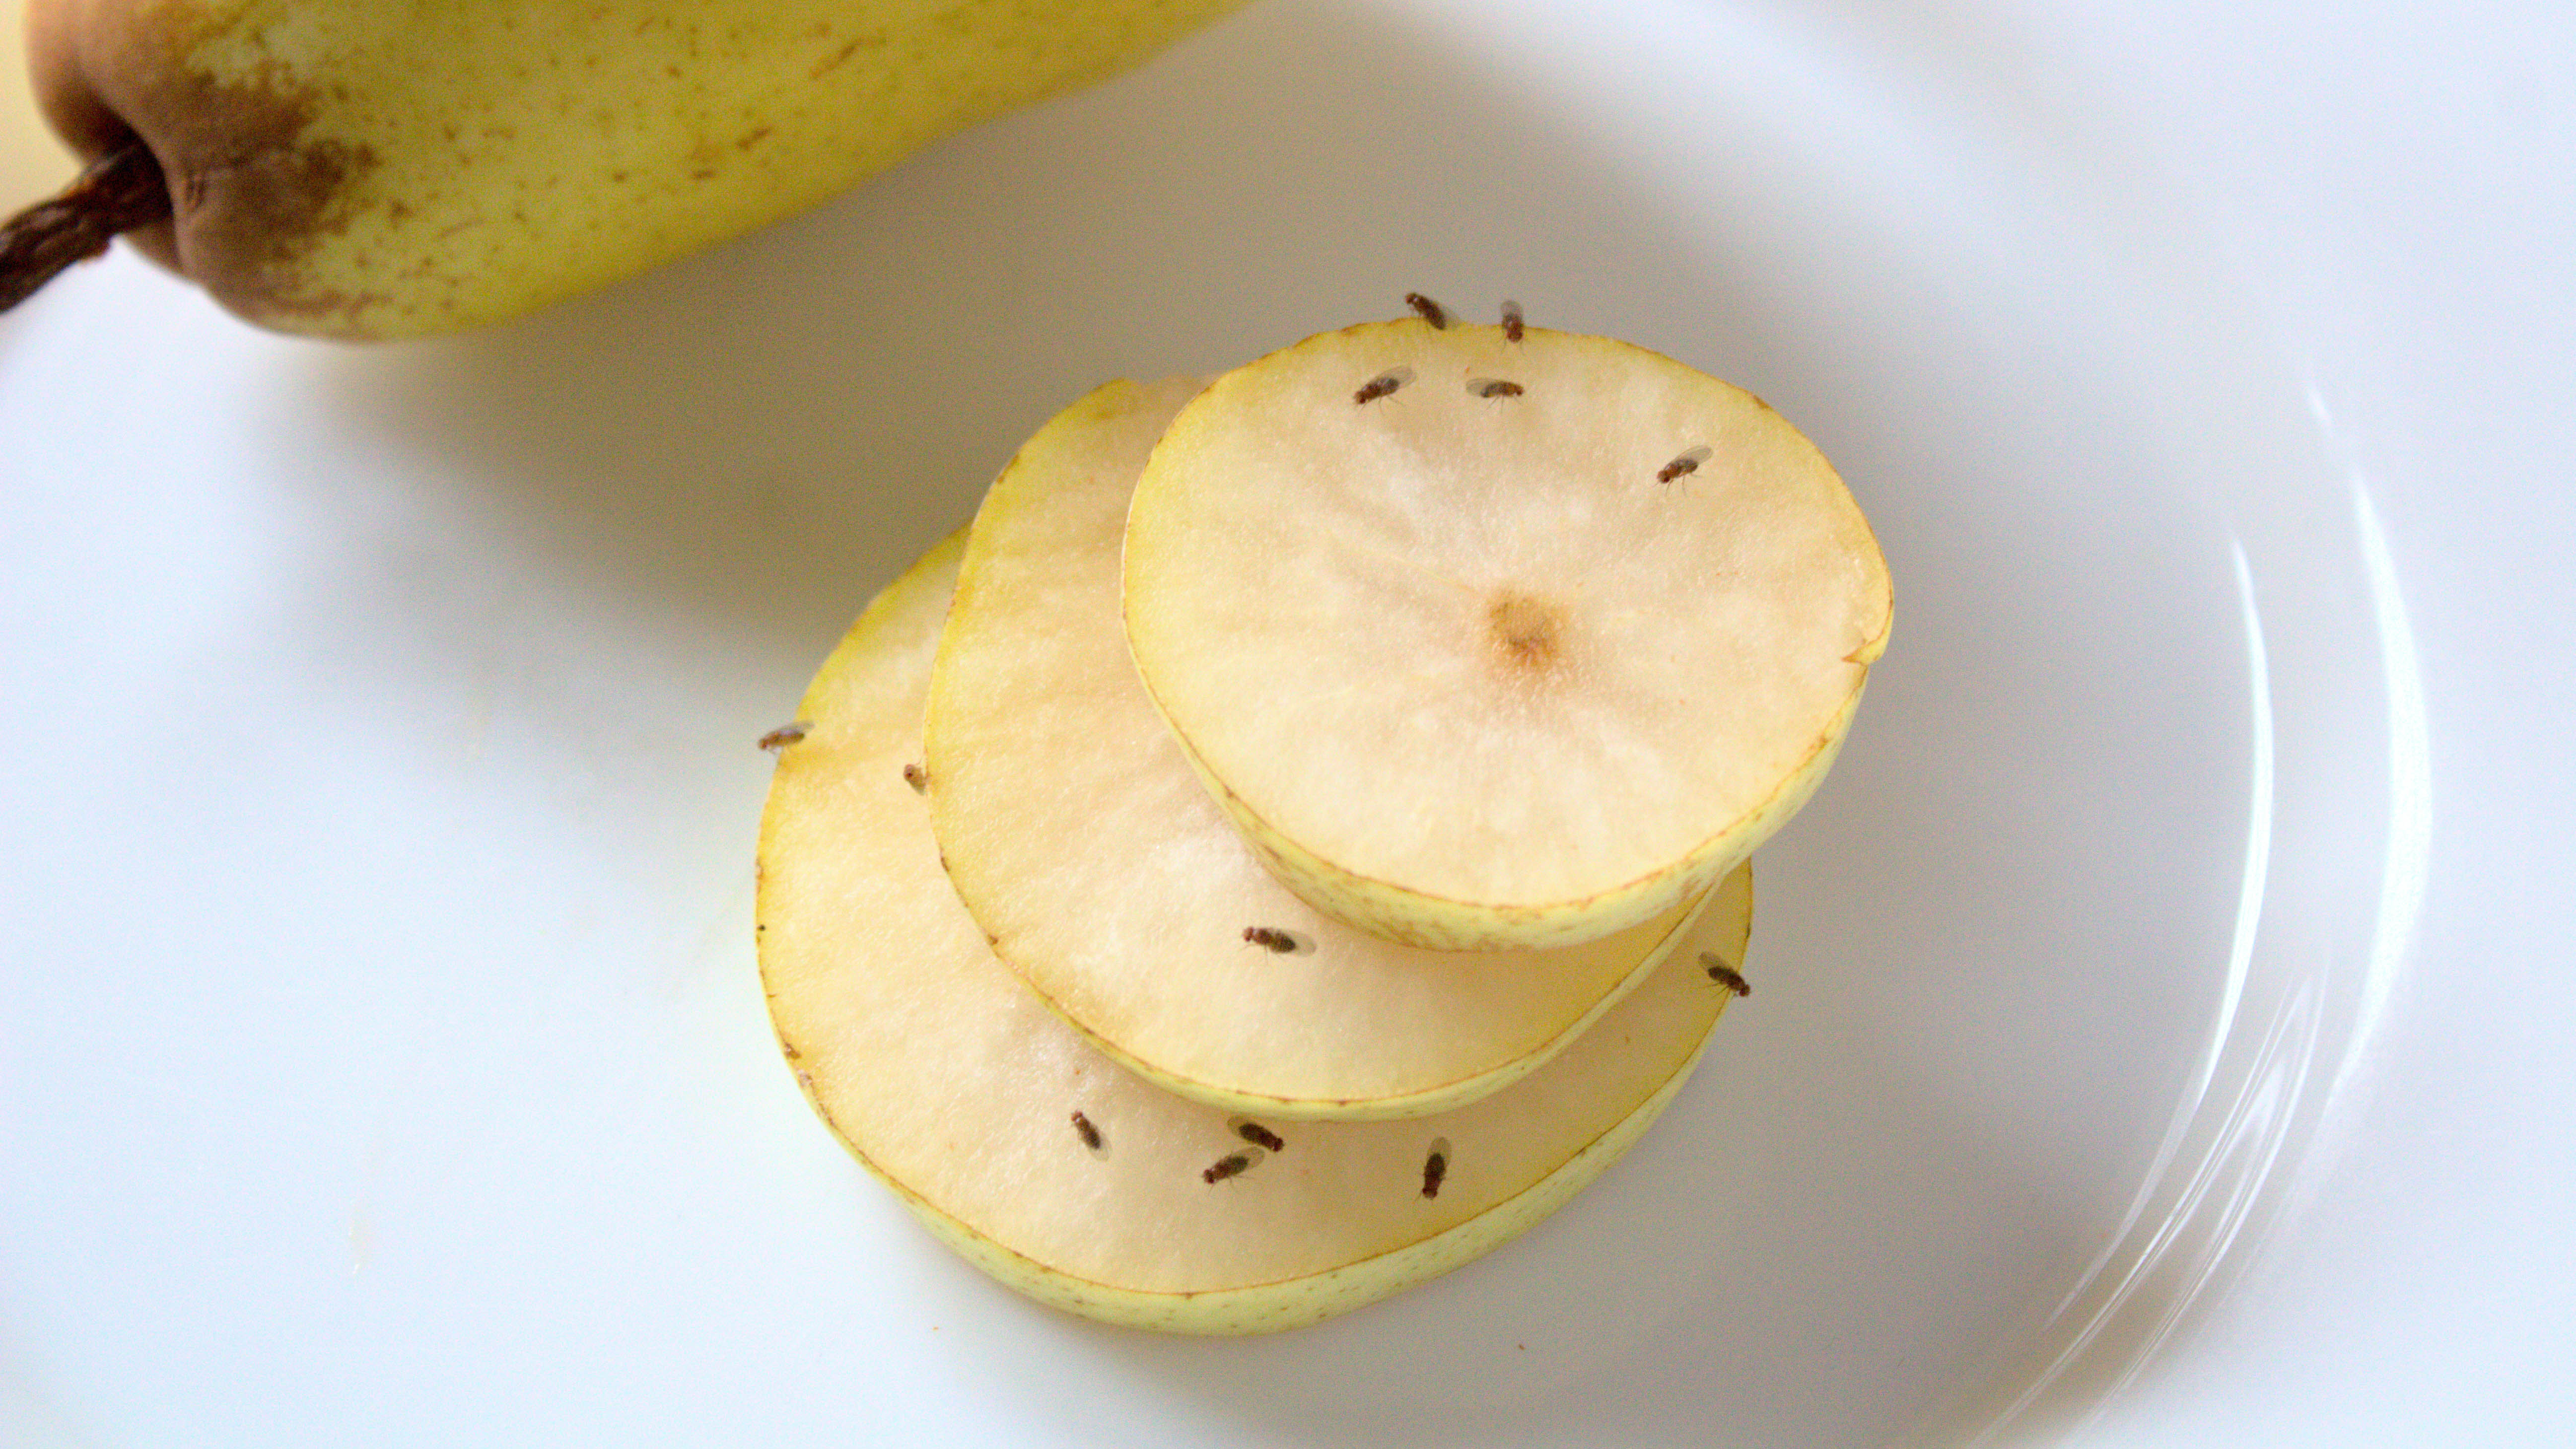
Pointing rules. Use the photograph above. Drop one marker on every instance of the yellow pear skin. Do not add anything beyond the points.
(386, 168)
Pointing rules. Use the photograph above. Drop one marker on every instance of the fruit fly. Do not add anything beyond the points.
(1435, 1167)
(1271, 938)
(1382, 384)
(1493, 387)
(918, 778)
(1687, 463)
(1233, 1164)
(1428, 310)
(785, 735)
(1725, 975)
(1089, 1134)
(1258, 1135)
(1512, 322)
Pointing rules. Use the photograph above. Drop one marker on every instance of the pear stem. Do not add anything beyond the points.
(117, 193)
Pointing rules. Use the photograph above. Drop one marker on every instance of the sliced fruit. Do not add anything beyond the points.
(1073, 1181)
(1489, 642)
(1101, 872)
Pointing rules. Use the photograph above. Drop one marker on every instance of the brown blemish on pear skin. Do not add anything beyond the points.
(841, 57)
(252, 192)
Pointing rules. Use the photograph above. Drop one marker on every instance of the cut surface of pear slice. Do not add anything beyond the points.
(951, 1081)
(1487, 641)
(1081, 842)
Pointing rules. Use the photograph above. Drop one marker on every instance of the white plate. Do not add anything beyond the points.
(2157, 1036)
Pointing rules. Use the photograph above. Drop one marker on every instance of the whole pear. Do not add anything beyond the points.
(388, 168)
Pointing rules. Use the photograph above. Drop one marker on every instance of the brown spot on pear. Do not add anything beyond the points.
(252, 190)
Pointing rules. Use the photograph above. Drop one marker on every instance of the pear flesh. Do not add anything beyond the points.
(952, 1082)
(371, 170)
(1494, 637)
(1079, 839)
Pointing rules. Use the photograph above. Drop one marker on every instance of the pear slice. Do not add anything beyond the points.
(1495, 636)
(953, 1083)
(1102, 873)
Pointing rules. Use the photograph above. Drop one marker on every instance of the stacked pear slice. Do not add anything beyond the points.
(1060, 993)
(1077, 834)
(1495, 636)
